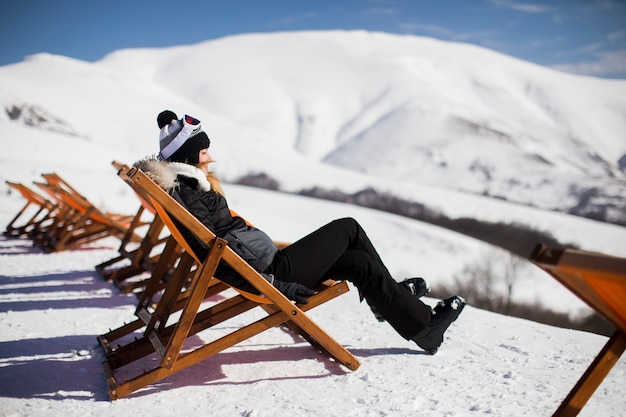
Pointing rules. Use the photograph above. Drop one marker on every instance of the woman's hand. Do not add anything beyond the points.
(294, 291)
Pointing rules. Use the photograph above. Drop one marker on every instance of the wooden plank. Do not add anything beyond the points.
(598, 280)
(197, 292)
(593, 376)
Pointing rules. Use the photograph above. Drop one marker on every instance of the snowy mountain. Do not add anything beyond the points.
(316, 109)
(449, 125)
(405, 110)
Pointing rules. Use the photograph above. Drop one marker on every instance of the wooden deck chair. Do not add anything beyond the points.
(117, 223)
(134, 260)
(128, 270)
(64, 217)
(40, 209)
(82, 222)
(166, 332)
(70, 228)
(600, 281)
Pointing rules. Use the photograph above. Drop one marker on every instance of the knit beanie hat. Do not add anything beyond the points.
(181, 140)
(165, 118)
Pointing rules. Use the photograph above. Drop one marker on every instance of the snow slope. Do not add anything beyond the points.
(405, 110)
(52, 307)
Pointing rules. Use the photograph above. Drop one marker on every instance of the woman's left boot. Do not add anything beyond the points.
(444, 313)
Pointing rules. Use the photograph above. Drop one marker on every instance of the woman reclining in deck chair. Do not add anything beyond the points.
(338, 250)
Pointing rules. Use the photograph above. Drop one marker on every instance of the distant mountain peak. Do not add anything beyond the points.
(40, 118)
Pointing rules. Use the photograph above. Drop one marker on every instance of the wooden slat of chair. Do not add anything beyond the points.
(118, 223)
(105, 268)
(49, 221)
(141, 259)
(168, 269)
(163, 273)
(74, 227)
(593, 376)
(600, 281)
(64, 218)
(67, 222)
(81, 203)
(141, 347)
(167, 340)
(132, 262)
(81, 221)
(44, 209)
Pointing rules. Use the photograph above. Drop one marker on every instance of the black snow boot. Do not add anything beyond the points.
(419, 287)
(444, 313)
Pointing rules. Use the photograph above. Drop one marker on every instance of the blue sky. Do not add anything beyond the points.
(579, 36)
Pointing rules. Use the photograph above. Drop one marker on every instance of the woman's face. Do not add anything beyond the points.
(204, 157)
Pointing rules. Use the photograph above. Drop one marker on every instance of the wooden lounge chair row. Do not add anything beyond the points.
(192, 301)
(64, 219)
(131, 269)
(37, 210)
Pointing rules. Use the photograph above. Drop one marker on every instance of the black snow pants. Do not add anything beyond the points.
(342, 250)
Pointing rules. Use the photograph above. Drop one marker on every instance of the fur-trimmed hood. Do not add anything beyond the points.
(165, 173)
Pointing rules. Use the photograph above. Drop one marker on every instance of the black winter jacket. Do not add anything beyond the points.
(207, 206)
(191, 188)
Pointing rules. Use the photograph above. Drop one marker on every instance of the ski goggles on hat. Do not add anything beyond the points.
(182, 130)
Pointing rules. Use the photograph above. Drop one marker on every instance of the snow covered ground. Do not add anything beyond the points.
(52, 307)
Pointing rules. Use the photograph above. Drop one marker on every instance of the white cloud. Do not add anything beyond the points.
(381, 11)
(290, 20)
(607, 63)
(583, 50)
(429, 29)
(610, 5)
(443, 32)
(617, 36)
(523, 7)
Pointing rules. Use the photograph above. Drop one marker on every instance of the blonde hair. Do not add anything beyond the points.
(216, 183)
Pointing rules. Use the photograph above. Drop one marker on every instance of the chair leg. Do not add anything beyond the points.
(593, 376)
